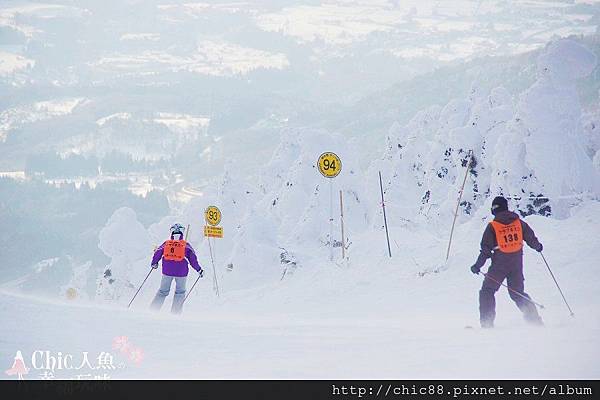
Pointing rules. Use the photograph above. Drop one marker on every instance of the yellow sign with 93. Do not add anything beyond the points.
(212, 215)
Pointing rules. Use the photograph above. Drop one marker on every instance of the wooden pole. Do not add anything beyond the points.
(342, 225)
(462, 188)
(387, 235)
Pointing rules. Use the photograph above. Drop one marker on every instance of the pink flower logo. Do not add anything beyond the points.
(133, 353)
(121, 343)
(136, 355)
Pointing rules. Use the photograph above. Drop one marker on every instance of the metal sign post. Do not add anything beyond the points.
(342, 226)
(212, 216)
(330, 166)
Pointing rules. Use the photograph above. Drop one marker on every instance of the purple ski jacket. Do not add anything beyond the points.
(177, 268)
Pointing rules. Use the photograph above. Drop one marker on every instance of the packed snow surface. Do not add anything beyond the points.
(240, 116)
(372, 318)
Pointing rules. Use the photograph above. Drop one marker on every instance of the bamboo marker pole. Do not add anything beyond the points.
(342, 225)
(387, 235)
(462, 188)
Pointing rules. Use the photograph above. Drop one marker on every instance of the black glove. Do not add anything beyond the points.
(475, 269)
(539, 248)
(154, 266)
(201, 273)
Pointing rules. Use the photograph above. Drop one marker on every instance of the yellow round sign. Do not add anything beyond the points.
(71, 293)
(212, 215)
(330, 165)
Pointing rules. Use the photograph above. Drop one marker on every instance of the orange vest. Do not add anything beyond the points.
(509, 237)
(174, 250)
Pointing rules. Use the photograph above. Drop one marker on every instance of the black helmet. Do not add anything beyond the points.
(499, 204)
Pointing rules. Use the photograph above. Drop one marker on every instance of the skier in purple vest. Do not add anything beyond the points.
(175, 255)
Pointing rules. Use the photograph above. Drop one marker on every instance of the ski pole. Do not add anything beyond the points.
(188, 293)
(192, 288)
(513, 290)
(197, 279)
(557, 285)
(136, 293)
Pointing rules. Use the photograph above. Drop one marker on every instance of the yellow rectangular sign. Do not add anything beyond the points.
(213, 231)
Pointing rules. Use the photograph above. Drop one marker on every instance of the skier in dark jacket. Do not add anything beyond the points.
(503, 242)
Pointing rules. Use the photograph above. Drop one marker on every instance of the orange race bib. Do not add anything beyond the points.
(509, 237)
(174, 250)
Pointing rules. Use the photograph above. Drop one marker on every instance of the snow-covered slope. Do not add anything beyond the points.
(221, 119)
(376, 318)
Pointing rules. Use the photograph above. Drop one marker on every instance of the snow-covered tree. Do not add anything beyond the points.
(536, 152)
(543, 152)
(125, 240)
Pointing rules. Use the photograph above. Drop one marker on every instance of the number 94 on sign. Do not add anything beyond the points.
(330, 165)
